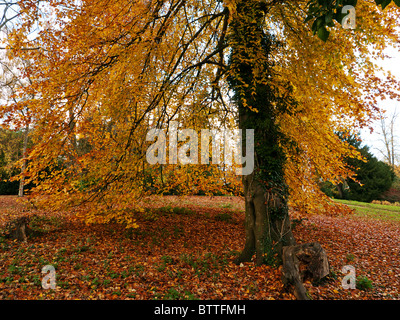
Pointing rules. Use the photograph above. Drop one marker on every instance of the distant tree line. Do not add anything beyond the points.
(11, 149)
(373, 177)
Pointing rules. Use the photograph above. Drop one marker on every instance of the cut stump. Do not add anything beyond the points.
(18, 229)
(301, 262)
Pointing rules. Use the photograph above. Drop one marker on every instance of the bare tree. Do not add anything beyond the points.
(390, 149)
(9, 12)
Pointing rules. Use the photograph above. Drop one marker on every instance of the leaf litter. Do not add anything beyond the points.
(187, 253)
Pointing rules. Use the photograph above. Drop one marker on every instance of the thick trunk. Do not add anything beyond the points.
(268, 227)
(265, 234)
(267, 218)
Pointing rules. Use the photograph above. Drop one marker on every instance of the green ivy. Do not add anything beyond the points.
(259, 103)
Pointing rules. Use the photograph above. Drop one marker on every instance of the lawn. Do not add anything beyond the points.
(374, 211)
(184, 249)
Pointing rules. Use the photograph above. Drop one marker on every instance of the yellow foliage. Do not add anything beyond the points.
(108, 71)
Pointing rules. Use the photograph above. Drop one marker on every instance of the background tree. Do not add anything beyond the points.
(375, 177)
(10, 152)
(12, 79)
(9, 14)
(372, 179)
(389, 139)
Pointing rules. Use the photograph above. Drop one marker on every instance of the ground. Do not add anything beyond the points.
(184, 249)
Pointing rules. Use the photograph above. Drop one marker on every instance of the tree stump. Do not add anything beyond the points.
(18, 229)
(301, 262)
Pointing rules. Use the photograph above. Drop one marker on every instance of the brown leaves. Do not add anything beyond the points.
(371, 246)
(187, 253)
(184, 254)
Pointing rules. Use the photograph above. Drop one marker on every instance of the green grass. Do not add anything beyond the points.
(374, 211)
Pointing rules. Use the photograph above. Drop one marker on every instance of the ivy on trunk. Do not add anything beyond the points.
(266, 193)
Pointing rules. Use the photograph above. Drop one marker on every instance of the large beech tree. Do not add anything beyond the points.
(104, 72)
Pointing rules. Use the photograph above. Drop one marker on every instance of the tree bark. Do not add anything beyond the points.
(23, 166)
(267, 217)
(266, 233)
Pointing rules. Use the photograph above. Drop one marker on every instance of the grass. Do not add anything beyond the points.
(374, 211)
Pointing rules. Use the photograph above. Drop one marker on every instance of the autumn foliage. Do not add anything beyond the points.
(89, 79)
(103, 73)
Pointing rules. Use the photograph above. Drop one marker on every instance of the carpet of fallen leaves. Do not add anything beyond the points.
(186, 253)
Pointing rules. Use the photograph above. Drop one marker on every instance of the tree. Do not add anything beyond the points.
(9, 13)
(388, 139)
(375, 177)
(372, 177)
(265, 190)
(11, 80)
(108, 72)
(10, 152)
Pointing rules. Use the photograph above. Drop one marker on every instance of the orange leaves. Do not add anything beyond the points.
(179, 257)
(187, 256)
(366, 244)
(104, 73)
(103, 77)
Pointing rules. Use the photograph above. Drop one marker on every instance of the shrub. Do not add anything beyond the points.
(363, 283)
(173, 294)
(350, 257)
(393, 194)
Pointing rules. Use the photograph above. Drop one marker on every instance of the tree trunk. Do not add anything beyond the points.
(265, 235)
(339, 188)
(268, 227)
(267, 219)
(23, 166)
